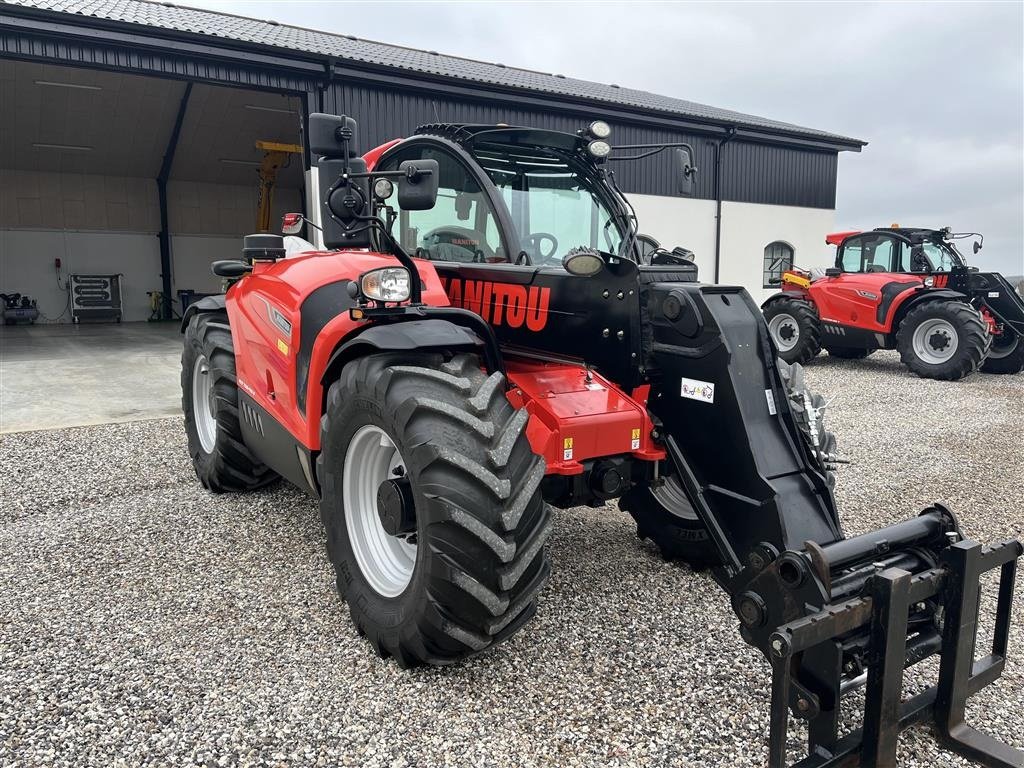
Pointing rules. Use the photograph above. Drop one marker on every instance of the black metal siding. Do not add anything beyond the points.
(751, 173)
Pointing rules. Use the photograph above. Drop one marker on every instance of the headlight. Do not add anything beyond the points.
(386, 284)
(929, 281)
(599, 148)
(599, 129)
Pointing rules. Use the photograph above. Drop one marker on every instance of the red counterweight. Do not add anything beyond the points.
(576, 414)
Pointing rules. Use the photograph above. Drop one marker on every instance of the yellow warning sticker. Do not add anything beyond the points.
(567, 449)
(282, 347)
(635, 443)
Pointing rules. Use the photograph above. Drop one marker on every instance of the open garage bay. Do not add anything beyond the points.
(145, 621)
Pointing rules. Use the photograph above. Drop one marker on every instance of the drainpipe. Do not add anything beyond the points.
(729, 134)
(161, 188)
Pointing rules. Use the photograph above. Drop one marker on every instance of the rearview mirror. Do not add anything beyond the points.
(331, 135)
(685, 171)
(417, 186)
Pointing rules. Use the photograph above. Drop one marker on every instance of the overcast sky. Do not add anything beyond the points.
(936, 88)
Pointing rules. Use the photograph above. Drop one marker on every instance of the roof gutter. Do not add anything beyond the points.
(730, 134)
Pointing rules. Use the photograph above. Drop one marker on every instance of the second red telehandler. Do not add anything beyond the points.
(904, 289)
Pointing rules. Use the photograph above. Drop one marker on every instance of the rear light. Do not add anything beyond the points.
(386, 284)
(291, 224)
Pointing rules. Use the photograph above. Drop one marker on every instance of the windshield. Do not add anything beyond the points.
(554, 201)
(943, 256)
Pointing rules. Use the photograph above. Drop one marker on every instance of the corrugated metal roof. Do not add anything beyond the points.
(168, 16)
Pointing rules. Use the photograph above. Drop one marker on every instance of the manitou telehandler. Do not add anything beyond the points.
(480, 341)
(905, 289)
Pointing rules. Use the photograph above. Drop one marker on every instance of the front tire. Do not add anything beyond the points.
(209, 399)
(795, 328)
(945, 340)
(471, 561)
(1006, 354)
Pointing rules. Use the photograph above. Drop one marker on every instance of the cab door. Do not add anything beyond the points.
(872, 276)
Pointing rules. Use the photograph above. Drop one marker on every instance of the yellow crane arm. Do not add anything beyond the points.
(275, 155)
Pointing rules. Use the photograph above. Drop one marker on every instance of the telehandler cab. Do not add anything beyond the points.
(906, 289)
(482, 343)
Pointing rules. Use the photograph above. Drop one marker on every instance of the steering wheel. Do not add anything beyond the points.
(451, 243)
(532, 243)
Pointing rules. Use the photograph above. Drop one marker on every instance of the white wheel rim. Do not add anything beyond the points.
(998, 351)
(785, 330)
(935, 341)
(387, 562)
(203, 408)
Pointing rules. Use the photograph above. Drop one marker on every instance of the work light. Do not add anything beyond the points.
(599, 148)
(386, 284)
(599, 129)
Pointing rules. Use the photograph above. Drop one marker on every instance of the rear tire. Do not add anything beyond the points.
(943, 340)
(209, 399)
(795, 329)
(475, 559)
(1006, 355)
(849, 353)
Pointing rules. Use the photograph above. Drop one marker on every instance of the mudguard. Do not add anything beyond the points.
(919, 296)
(206, 304)
(408, 335)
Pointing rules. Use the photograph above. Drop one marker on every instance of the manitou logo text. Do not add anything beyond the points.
(514, 306)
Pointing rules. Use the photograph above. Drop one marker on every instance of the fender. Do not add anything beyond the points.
(900, 306)
(400, 336)
(792, 295)
(206, 304)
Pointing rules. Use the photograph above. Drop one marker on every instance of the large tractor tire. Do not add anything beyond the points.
(795, 328)
(432, 506)
(849, 353)
(1006, 354)
(944, 340)
(665, 514)
(209, 399)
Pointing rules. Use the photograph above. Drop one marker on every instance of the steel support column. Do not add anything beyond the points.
(161, 186)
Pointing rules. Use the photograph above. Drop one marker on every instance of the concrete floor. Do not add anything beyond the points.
(55, 376)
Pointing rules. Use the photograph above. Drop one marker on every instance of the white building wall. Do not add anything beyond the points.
(109, 225)
(746, 229)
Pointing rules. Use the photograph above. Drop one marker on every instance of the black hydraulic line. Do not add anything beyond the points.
(161, 188)
(729, 135)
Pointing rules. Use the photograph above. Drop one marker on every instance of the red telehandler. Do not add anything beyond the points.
(906, 289)
(483, 339)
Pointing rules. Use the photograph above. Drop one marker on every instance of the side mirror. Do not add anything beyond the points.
(331, 135)
(230, 268)
(417, 186)
(977, 246)
(833, 272)
(685, 171)
(291, 224)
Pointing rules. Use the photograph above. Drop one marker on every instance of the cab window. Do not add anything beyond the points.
(461, 227)
(871, 253)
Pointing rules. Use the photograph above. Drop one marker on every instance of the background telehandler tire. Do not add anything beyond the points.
(1006, 355)
(209, 400)
(943, 340)
(795, 329)
(470, 576)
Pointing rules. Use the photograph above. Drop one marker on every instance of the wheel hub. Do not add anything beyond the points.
(939, 341)
(204, 405)
(785, 330)
(935, 341)
(395, 507)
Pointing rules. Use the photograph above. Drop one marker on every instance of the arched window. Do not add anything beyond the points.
(778, 257)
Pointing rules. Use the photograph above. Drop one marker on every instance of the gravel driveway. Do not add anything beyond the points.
(145, 621)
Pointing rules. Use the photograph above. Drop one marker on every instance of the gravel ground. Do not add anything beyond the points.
(144, 621)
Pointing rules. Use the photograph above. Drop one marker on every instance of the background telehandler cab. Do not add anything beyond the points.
(904, 289)
(483, 343)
